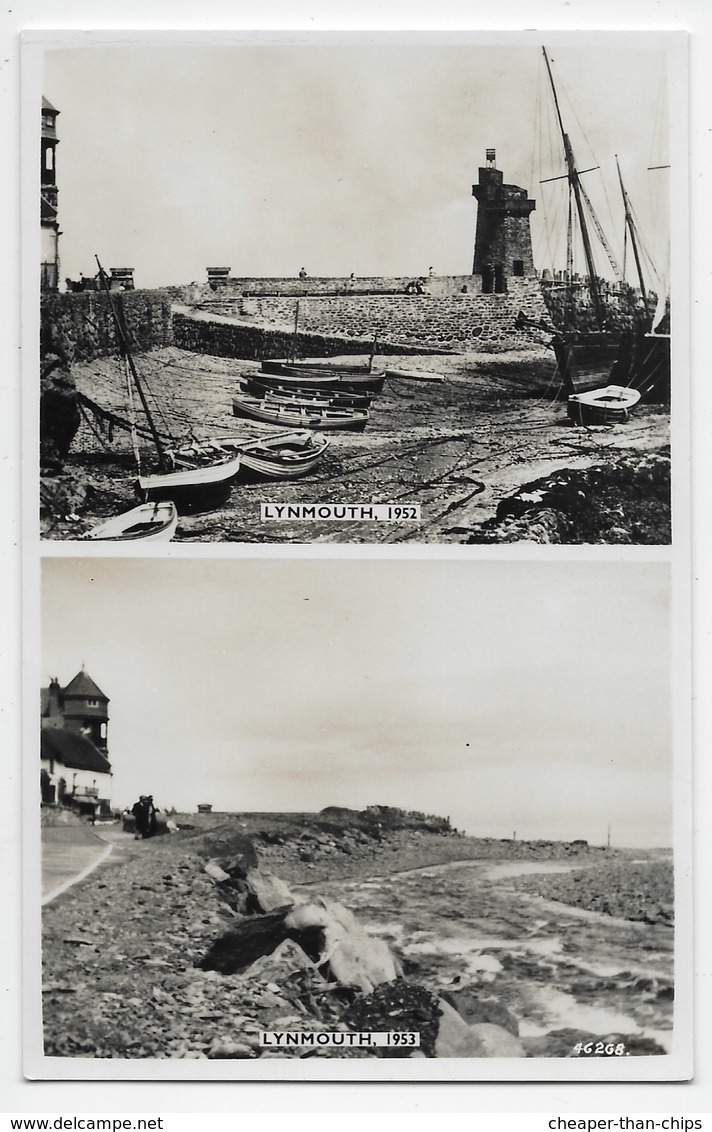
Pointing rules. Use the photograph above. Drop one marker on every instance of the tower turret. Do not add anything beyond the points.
(86, 710)
(503, 242)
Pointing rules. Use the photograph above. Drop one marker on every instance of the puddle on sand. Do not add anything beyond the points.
(522, 868)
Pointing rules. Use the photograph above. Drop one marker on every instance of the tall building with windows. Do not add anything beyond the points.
(74, 760)
(49, 278)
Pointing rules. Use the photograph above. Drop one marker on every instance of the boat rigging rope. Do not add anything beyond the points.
(132, 416)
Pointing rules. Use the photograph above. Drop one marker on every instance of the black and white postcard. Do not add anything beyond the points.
(389, 290)
(356, 396)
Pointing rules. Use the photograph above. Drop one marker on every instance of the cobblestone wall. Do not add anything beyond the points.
(81, 324)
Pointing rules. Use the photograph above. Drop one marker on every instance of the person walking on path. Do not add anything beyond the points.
(152, 819)
(141, 811)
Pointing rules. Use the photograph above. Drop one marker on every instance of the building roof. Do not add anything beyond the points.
(73, 751)
(83, 685)
(47, 105)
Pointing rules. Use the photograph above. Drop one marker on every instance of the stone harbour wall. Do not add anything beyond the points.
(222, 337)
(240, 320)
(81, 325)
(454, 320)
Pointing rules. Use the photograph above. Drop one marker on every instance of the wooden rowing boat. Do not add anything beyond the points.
(316, 377)
(297, 415)
(195, 484)
(608, 405)
(279, 455)
(150, 522)
(263, 385)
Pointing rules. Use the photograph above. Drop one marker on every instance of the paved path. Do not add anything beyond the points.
(69, 853)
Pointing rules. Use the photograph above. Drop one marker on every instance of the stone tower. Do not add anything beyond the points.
(503, 242)
(49, 279)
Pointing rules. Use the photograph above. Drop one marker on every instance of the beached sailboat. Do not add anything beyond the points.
(150, 522)
(193, 485)
(279, 455)
(594, 342)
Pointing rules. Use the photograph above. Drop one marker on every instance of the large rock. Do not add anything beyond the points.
(402, 1007)
(454, 1037)
(59, 412)
(267, 892)
(473, 1008)
(287, 958)
(354, 958)
(496, 1041)
(229, 849)
(238, 948)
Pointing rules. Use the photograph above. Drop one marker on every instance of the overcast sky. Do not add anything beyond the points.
(508, 696)
(266, 157)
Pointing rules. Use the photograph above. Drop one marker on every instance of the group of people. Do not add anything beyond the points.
(145, 821)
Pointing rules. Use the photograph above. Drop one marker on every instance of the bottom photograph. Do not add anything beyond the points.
(296, 814)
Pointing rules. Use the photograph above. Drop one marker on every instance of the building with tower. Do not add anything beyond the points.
(49, 278)
(503, 242)
(75, 771)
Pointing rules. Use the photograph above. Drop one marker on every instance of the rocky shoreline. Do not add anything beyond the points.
(191, 945)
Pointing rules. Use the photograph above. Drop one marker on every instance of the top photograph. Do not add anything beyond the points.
(367, 289)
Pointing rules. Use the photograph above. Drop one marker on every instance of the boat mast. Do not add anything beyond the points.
(630, 225)
(575, 187)
(123, 340)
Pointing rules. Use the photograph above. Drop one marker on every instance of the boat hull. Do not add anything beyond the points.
(192, 488)
(585, 360)
(639, 361)
(150, 522)
(609, 405)
(279, 456)
(299, 416)
(312, 378)
(273, 389)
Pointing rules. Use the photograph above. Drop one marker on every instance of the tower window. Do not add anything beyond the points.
(518, 267)
(92, 703)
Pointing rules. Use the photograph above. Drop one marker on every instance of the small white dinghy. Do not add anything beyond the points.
(151, 522)
(609, 405)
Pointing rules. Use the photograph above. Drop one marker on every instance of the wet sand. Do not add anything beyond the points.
(456, 448)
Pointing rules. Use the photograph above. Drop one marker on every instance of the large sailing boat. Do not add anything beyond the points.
(596, 343)
(195, 482)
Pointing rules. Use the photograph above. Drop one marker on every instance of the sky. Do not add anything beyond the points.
(271, 156)
(508, 696)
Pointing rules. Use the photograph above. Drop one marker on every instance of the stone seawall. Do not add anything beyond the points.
(82, 325)
(431, 321)
(240, 320)
(222, 337)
